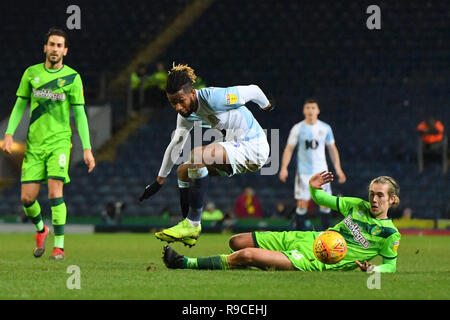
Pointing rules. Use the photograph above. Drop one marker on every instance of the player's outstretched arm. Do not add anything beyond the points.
(270, 107)
(389, 265)
(175, 147)
(254, 94)
(317, 194)
(321, 178)
(171, 155)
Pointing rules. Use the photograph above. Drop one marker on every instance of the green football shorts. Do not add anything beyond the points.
(296, 245)
(39, 165)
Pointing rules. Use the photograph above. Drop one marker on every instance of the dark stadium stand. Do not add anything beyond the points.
(110, 36)
(373, 87)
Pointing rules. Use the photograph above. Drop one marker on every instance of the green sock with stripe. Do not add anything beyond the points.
(218, 262)
(59, 215)
(33, 211)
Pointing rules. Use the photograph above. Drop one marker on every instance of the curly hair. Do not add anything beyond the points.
(181, 76)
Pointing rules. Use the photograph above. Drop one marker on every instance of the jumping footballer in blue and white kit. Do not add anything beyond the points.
(245, 148)
(310, 136)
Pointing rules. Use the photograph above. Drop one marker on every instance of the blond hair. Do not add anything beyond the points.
(393, 191)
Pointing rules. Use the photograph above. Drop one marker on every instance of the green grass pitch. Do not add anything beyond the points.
(114, 266)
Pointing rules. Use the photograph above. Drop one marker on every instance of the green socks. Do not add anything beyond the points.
(218, 262)
(33, 211)
(59, 214)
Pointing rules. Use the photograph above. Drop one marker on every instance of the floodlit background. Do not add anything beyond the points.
(373, 87)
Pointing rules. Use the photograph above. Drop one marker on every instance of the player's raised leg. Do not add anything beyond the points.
(32, 209)
(184, 184)
(189, 229)
(183, 188)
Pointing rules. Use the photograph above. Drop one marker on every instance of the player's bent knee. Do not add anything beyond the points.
(241, 241)
(182, 171)
(234, 243)
(27, 199)
(55, 194)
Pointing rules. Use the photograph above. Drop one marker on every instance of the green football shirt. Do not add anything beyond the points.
(51, 93)
(365, 235)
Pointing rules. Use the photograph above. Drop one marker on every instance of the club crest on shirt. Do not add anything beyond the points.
(231, 98)
(376, 230)
(36, 80)
(60, 82)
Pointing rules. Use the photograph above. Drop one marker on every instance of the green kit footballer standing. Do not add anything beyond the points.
(366, 228)
(50, 88)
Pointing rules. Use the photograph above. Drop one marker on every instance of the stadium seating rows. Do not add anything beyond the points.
(109, 38)
(373, 88)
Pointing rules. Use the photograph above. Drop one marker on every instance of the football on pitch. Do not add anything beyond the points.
(330, 247)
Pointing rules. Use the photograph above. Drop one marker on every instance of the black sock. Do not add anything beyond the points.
(184, 201)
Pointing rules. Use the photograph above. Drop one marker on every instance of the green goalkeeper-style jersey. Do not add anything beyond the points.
(366, 236)
(51, 93)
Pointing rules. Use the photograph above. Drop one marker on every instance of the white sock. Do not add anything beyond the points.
(325, 210)
(194, 223)
(301, 212)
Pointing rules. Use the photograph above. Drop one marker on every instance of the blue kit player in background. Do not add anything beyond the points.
(245, 148)
(310, 136)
